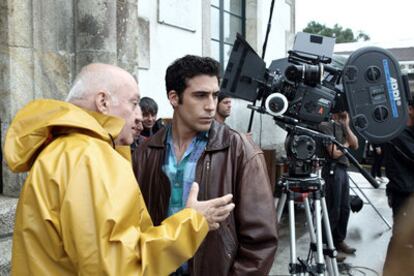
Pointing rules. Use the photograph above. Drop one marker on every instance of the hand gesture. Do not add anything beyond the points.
(214, 210)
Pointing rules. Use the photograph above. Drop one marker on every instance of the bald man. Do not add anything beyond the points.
(80, 211)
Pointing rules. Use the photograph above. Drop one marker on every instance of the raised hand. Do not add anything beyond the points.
(214, 210)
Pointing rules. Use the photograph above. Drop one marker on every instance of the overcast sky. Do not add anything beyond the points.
(381, 20)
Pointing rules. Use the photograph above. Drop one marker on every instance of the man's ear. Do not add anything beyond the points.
(173, 98)
(102, 102)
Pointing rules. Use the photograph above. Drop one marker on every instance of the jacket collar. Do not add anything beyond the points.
(111, 124)
(218, 137)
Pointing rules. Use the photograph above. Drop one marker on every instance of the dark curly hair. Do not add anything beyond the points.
(186, 68)
(222, 96)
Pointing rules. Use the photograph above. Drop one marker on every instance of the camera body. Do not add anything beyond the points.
(369, 86)
(306, 88)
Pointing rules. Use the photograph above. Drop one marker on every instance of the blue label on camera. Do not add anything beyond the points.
(393, 91)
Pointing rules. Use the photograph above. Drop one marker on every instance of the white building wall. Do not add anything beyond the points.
(281, 32)
(166, 44)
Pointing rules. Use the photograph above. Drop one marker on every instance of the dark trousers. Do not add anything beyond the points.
(397, 201)
(337, 200)
(376, 166)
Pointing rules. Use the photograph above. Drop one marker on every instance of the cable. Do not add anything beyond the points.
(260, 132)
(359, 268)
(348, 269)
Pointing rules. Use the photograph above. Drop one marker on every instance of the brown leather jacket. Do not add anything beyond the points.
(246, 242)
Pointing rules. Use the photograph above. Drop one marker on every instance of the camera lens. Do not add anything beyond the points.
(294, 73)
(313, 74)
(309, 74)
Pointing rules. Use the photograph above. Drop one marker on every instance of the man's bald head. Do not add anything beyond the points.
(95, 78)
(109, 90)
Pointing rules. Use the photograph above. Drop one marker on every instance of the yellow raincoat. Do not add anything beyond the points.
(80, 211)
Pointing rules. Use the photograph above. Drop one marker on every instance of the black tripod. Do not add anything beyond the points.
(314, 186)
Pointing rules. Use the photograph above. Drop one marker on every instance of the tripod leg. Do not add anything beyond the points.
(332, 251)
(293, 266)
(320, 266)
(280, 205)
(311, 228)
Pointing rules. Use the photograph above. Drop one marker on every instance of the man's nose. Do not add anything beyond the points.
(140, 126)
(211, 104)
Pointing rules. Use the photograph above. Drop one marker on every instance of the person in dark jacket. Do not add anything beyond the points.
(197, 148)
(399, 168)
(378, 160)
(149, 114)
(335, 174)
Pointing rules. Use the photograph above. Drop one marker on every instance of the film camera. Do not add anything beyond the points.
(304, 89)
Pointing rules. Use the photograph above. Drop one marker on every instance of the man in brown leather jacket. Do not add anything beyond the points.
(196, 148)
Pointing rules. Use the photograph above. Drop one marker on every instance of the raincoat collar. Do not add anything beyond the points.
(41, 121)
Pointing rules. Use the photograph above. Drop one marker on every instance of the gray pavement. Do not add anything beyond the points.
(367, 232)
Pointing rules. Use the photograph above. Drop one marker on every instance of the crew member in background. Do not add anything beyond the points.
(138, 138)
(337, 180)
(376, 172)
(149, 113)
(223, 108)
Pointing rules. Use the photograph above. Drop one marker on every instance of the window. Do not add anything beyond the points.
(227, 19)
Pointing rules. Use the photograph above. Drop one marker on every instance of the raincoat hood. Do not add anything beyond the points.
(39, 122)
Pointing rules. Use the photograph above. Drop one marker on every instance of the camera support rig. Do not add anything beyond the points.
(302, 146)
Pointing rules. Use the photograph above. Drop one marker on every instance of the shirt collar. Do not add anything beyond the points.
(202, 135)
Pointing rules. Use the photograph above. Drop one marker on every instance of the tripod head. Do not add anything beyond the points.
(305, 149)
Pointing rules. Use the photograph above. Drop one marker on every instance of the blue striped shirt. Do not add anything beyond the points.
(182, 173)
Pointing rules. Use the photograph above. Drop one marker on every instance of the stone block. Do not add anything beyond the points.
(4, 81)
(95, 25)
(7, 215)
(20, 81)
(53, 74)
(144, 60)
(4, 23)
(85, 57)
(12, 183)
(127, 35)
(19, 17)
(5, 256)
(53, 26)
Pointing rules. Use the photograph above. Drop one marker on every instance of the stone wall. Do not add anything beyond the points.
(43, 45)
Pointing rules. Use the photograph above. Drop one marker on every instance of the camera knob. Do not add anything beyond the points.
(373, 73)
